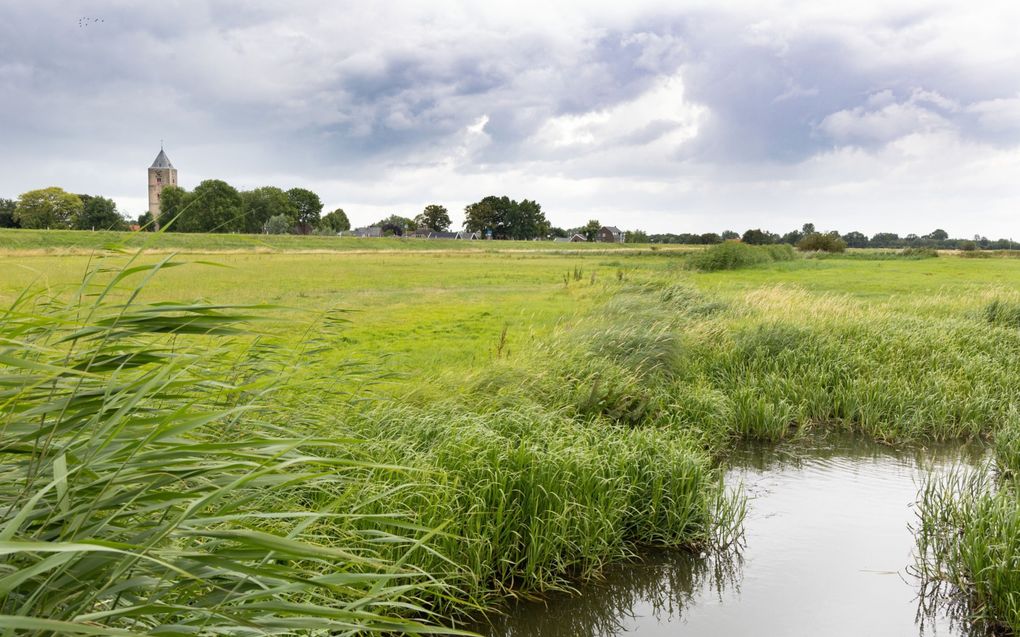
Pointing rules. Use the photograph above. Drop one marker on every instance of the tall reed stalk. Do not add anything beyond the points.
(140, 492)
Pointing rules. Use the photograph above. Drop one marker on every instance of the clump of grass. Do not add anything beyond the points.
(969, 547)
(731, 255)
(919, 253)
(1003, 313)
(529, 498)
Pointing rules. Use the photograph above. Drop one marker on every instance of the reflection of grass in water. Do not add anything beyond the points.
(969, 550)
(667, 581)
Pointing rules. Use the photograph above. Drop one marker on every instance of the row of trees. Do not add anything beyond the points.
(216, 206)
(936, 239)
(55, 208)
(500, 217)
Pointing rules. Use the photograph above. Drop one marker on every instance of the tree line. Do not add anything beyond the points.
(216, 206)
(938, 238)
(55, 208)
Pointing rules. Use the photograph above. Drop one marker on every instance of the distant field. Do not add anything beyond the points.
(84, 242)
(448, 306)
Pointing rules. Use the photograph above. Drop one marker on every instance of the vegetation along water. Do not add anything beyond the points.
(398, 441)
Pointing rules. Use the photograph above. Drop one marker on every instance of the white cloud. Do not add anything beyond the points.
(883, 124)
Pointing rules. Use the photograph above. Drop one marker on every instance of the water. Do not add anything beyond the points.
(827, 551)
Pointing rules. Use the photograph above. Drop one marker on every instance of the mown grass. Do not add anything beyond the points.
(507, 429)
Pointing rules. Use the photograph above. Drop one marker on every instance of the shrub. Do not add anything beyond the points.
(279, 224)
(733, 254)
(818, 242)
(919, 253)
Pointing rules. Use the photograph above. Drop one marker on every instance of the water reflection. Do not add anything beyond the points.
(660, 586)
(827, 550)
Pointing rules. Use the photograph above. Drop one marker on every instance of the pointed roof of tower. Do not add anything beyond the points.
(161, 161)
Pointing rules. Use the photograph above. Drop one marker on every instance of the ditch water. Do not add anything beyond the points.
(827, 551)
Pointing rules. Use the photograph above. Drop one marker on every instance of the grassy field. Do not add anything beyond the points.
(22, 241)
(448, 428)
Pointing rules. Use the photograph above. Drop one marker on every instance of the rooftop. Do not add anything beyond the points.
(161, 161)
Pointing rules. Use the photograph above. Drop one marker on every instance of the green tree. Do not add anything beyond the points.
(308, 206)
(591, 229)
(557, 232)
(395, 225)
(434, 217)
(729, 235)
(758, 237)
(279, 224)
(481, 217)
(145, 222)
(885, 240)
(260, 204)
(98, 213)
(214, 206)
(792, 237)
(336, 221)
(529, 221)
(710, 238)
(506, 218)
(47, 208)
(807, 228)
(7, 213)
(823, 242)
(855, 240)
(174, 209)
(636, 236)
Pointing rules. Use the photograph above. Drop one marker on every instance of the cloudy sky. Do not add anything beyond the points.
(670, 117)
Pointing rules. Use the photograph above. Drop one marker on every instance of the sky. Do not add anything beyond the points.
(873, 116)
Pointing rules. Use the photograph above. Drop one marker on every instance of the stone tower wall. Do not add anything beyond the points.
(159, 178)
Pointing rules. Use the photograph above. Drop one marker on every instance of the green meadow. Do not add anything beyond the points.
(293, 439)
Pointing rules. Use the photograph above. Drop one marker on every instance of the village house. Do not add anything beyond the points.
(610, 234)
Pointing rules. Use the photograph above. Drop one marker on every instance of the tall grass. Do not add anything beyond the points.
(164, 472)
(140, 493)
(969, 548)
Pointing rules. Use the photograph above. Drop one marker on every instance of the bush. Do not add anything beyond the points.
(280, 224)
(818, 242)
(733, 254)
(919, 253)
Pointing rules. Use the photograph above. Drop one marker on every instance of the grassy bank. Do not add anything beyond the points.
(406, 434)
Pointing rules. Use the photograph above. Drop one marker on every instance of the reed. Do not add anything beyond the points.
(140, 492)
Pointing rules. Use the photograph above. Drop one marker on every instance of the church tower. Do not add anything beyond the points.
(161, 174)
